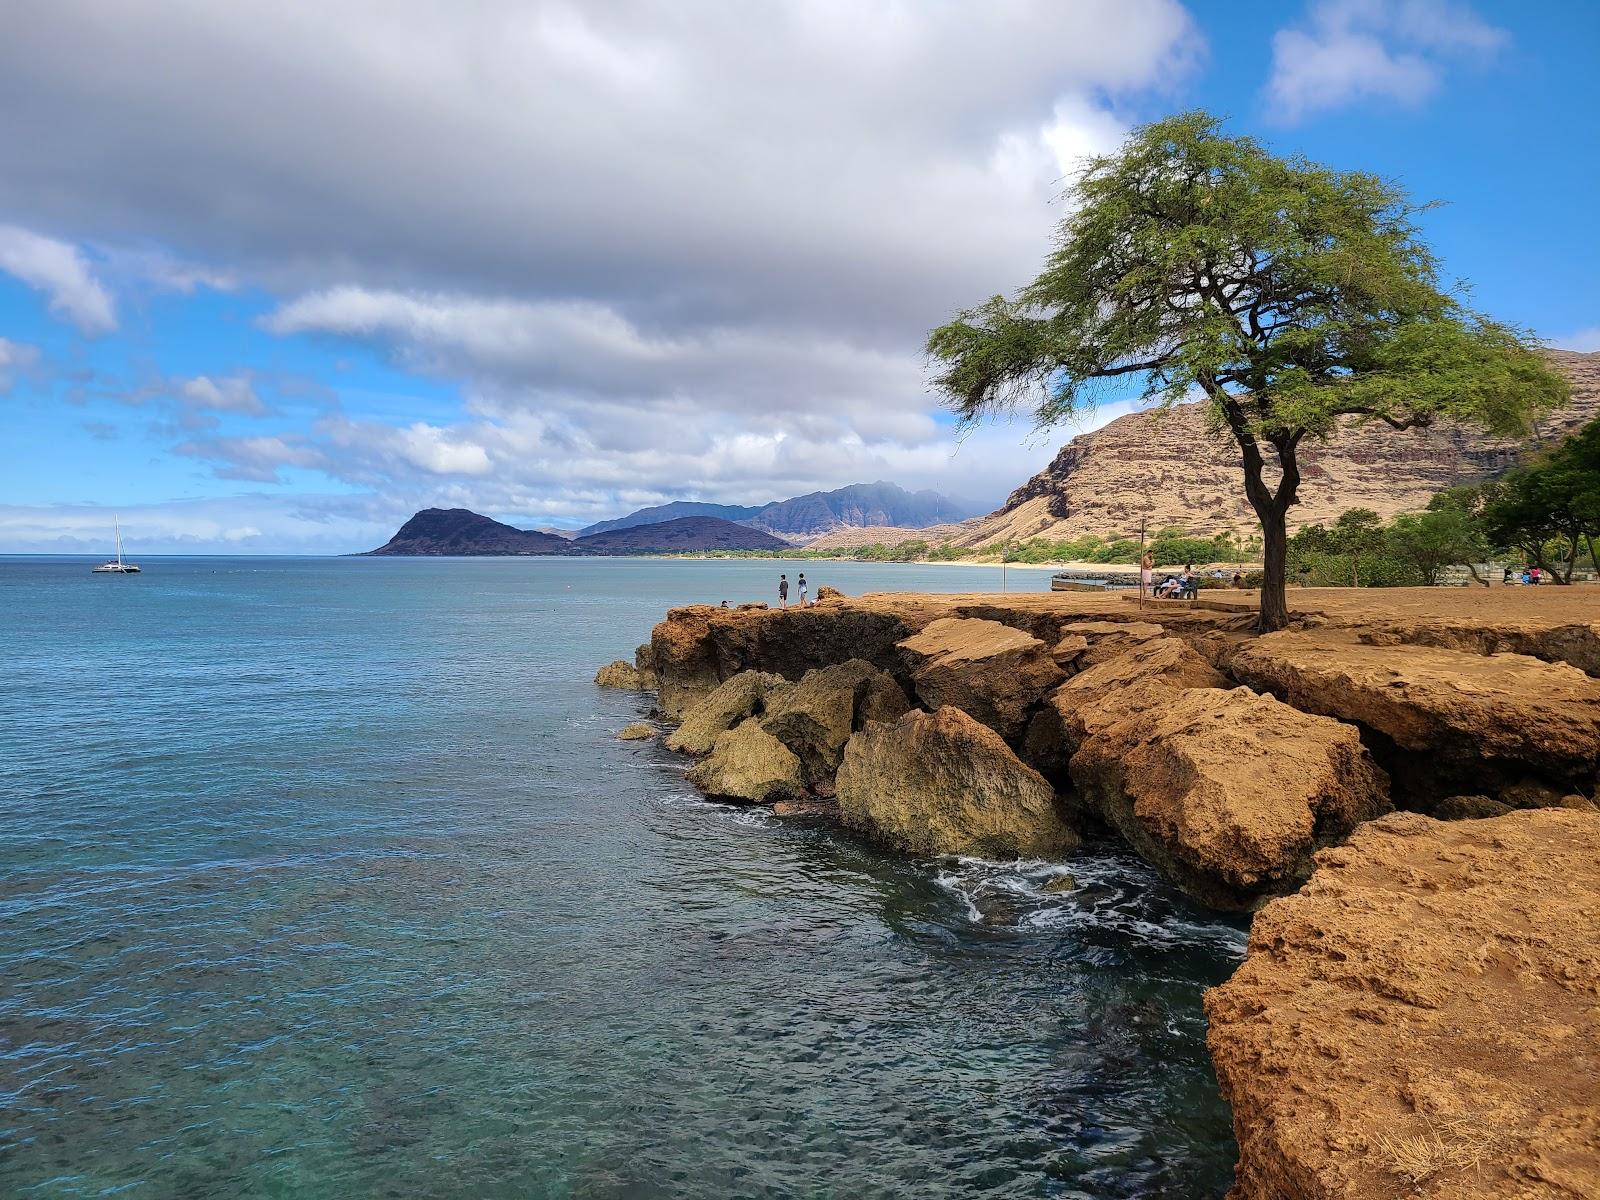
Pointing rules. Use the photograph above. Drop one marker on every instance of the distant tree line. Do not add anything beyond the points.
(1544, 513)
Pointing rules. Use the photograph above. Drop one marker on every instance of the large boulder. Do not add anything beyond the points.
(1420, 1019)
(745, 695)
(942, 783)
(1107, 639)
(1229, 793)
(699, 647)
(1136, 678)
(990, 671)
(624, 676)
(1447, 721)
(748, 764)
(816, 716)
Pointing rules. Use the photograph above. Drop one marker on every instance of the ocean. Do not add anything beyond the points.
(328, 878)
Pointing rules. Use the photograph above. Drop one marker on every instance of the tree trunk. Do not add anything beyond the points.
(1594, 556)
(1274, 612)
(1476, 578)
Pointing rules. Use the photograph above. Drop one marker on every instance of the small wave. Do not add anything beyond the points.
(1107, 891)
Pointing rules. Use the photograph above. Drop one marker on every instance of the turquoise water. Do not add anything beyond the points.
(327, 878)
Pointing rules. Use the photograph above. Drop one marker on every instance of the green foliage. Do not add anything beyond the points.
(1289, 294)
(1357, 549)
(1548, 509)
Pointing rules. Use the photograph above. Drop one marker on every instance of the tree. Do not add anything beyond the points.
(1287, 294)
(1448, 532)
(1549, 508)
(1357, 532)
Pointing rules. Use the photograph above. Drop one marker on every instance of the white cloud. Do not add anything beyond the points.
(661, 251)
(1353, 50)
(228, 393)
(14, 357)
(62, 273)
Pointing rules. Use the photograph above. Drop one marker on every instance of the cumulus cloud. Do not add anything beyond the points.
(61, 272)
(661, 251)
(1352, 50)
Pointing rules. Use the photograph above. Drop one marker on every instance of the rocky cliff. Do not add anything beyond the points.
(1166, 468)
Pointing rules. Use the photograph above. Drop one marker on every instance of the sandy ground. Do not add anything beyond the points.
(1545, 605)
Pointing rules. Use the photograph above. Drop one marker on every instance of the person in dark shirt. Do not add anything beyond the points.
(783, 591)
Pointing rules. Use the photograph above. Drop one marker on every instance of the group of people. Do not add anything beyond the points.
(802, 589)
(1528, 575)
(1174, 587)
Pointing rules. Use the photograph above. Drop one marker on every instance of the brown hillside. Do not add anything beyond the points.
(1162, 466)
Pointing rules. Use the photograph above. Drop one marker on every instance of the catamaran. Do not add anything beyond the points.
(117, 566)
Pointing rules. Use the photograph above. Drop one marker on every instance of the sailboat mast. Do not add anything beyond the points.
(117, 523)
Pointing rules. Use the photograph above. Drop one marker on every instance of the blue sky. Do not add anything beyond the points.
(270, 281)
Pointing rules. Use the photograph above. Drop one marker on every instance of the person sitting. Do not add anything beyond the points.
(1168, 587)
(1238, 579)
(1188, 586)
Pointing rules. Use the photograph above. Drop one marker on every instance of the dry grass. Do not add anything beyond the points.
(1457, 1144)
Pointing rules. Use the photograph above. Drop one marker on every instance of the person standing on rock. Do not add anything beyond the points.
(1146, 565)
(783, 591)
(805, 601)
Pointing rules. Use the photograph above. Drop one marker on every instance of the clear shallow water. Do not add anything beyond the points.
(327, 878)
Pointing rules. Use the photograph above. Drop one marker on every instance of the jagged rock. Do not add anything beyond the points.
(1229, 793)
(745, 695)
(1107, 639)
(808, 806)
(636, 731)
(644, 661)
(1530, 793)
(1419, 1020)
(695, 649)
(749, 764)
(825, 592)
(1067, 649)
(816, 716)
(942, 783)
(622, 675)
(1134, 679)
(990, 671)
(1464, 719)
(1469, 808)
(1577, 643)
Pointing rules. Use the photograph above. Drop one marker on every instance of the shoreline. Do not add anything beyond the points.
(1329, 779)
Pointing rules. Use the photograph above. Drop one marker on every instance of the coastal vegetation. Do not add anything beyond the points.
(1288, 294)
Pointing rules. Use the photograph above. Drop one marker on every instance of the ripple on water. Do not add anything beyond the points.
(355, 895)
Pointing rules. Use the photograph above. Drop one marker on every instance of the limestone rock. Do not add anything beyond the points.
(696, 648)
(1420, 1019)
(622, 675)
(816, 716)
(1067, 649)
(745, 695)
(942, 783)
(749, 764)
(1229, 793)
(825, 592)
(1134, 679)
(808, 806)
(988, 670)
(644, 661)
(1107, 639)
(636, 731)
(1469, 808)
(1466, 720)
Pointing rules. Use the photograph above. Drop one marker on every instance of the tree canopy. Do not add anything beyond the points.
(1287, 294)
